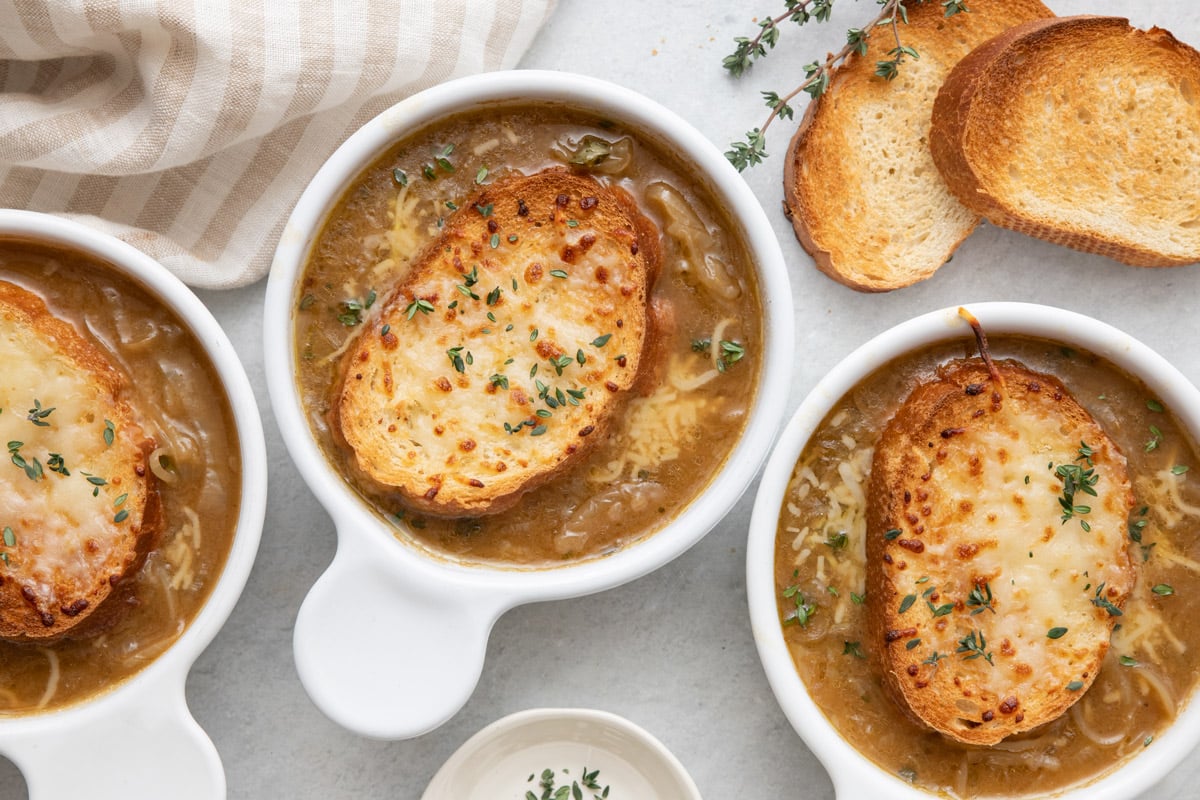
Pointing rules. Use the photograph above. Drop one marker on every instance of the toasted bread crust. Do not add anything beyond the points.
(547, 296)
(960, 500)
(1039, 131)
(860, 186)
(82, 526)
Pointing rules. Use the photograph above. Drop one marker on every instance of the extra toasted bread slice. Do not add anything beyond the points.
(1082, 131)
(991, 612)
(502, 356)
(860, 187)
(80, 508)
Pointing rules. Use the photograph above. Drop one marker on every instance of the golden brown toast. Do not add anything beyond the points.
(860, 186)
(990, 605)
(501, 357)
(80, 508)
(1082, 131)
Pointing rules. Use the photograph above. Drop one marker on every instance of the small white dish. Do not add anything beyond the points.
(854, 776)
(507, 758)
(138, 739)
(390, 640)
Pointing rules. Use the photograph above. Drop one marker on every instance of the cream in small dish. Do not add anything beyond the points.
(545, 749)
(432, 227)
(808, 594)
(142, 430)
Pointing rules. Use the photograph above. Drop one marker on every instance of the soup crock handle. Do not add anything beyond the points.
(138, 742)
(391, 650)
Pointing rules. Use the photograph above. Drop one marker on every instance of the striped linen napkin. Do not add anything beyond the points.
(190, 127)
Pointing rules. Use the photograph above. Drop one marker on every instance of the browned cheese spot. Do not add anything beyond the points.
(896, 635)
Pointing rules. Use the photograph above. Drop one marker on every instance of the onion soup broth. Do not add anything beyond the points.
(1150, 669)
(175, 391)
(662, 449)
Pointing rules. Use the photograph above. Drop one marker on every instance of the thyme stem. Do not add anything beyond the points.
(752, 150)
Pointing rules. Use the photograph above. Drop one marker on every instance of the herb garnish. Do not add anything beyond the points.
(352, 310)
(803, 611)
(817, 74)
(424, 306)
(729, 352)
(456, 358)
(852, 649)
(1075, 479)
(1103, 602)
(37, 415)
(974, 644)
(573, 791)
(980, 599)
(1154, 441)
(1056, 633)
(33, 469)
(56, 464)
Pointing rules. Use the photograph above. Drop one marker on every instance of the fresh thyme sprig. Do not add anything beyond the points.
(973, 645)
(1077, 479)
(753, 149)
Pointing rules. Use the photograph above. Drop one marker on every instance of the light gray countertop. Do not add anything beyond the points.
(672, 651)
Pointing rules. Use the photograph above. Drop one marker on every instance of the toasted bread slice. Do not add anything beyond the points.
(502, 356)
(991, 612)
(80, 508)
(860, 187)
(1082, 131)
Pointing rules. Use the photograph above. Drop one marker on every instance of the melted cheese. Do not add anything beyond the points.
(63, 526)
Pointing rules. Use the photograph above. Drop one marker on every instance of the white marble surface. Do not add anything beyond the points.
(672, 651)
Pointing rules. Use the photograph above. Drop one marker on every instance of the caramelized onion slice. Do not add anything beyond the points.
(696, 244)
(598, 155)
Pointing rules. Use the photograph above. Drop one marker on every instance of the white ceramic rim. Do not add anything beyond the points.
(854, 775)
(641, 113)
(513, 724)
(175, 662)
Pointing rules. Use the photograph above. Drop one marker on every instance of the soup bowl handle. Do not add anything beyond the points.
(129, 744)
(389, 652)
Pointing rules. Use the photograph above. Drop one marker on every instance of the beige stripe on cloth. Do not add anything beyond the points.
(190, 127)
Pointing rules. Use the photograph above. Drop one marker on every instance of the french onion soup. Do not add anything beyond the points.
(121, 484)
(527, 335)
(985, 571)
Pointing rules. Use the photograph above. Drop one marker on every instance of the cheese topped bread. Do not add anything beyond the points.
(996, 551)
(501, 357)
(80, 509)
(1083, 131)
